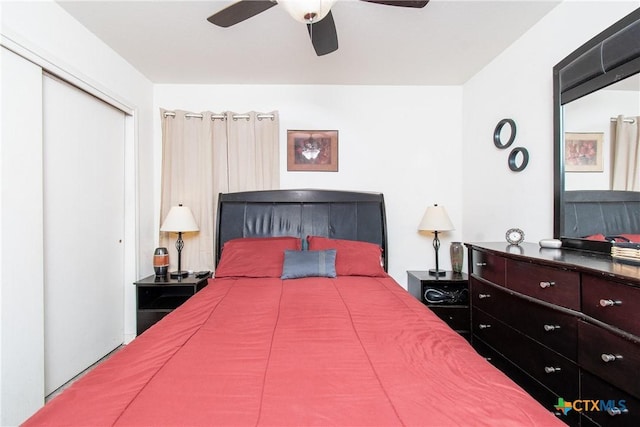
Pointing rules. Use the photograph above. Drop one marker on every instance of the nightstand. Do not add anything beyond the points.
(155, 298)
(447, 296)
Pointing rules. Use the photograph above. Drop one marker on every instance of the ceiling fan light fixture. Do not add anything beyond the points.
(307, 11)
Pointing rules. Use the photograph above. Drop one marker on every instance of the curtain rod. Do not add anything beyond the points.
(613, 119)
(221, 116)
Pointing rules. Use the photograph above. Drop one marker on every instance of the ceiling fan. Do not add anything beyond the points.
(315, 13)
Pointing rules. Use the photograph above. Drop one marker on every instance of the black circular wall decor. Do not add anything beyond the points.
(513, 162)
(497, 140)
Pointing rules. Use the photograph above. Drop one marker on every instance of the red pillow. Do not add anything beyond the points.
(635, 238)
(595, 237)
(255, 256)
(353, 258)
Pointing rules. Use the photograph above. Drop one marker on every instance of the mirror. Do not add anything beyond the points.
(518, 159)
(592, 87)
(504, 134)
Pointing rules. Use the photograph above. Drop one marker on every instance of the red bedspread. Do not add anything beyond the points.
(314, 351)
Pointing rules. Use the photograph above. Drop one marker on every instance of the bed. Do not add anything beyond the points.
(338, 343)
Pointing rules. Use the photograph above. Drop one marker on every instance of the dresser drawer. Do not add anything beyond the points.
(553, 285)
(555, 329)
(531, 385)
(557, 373)
(614, 408)
(611, 302)
(491, 299)
(488, 266)
(609, 356)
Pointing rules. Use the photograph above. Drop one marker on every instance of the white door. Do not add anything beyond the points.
(83, 230)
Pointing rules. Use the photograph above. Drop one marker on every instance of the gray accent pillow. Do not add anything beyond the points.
(309, 264)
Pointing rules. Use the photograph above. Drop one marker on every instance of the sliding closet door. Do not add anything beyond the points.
(83, 230)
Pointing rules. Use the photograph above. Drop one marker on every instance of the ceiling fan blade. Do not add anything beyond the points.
(402, 3)
(239, 11)
(323, 35)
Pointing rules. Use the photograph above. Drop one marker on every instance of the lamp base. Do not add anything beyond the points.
(434, 272)
(179, 274)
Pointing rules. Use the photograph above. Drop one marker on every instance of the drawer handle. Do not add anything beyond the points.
(606, 357)
(551, 370)
(481, 264)
(550, 328)
(483, 326)
(616, 411)
(609, 303)
(482, 296)
(545, 285)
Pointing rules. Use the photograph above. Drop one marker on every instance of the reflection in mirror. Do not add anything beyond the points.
(598, 113)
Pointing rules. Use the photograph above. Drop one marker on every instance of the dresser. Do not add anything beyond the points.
(563, 324)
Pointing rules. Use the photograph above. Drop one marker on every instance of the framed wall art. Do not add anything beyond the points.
(583, 152)
(312, 150)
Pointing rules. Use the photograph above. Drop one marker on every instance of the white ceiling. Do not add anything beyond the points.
(444, 43)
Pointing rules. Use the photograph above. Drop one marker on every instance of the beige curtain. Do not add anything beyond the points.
(204, 154)
(625, 154)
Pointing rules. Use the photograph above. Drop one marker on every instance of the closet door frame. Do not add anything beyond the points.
(21, 236)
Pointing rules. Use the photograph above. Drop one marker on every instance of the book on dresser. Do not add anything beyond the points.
(564, 324)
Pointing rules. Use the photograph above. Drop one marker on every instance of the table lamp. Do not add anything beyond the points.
(435, 219)
(179, 220)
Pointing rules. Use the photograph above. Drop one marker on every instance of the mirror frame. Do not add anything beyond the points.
(607, 58)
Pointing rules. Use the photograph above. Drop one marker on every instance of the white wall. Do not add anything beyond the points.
(417, 157)
(45, 33)
(402, 141)
(518, 85)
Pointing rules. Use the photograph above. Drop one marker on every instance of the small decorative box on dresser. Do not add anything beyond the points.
(157, 297)
(563, 324)
(447, 296)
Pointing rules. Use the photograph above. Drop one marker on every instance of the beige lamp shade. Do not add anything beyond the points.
(179, 219)
(435, 218)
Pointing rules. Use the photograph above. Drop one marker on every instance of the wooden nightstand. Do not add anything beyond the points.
(155, 298)
(447, 296)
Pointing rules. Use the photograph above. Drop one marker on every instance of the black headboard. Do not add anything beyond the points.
(328, 213)
(590, 212)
